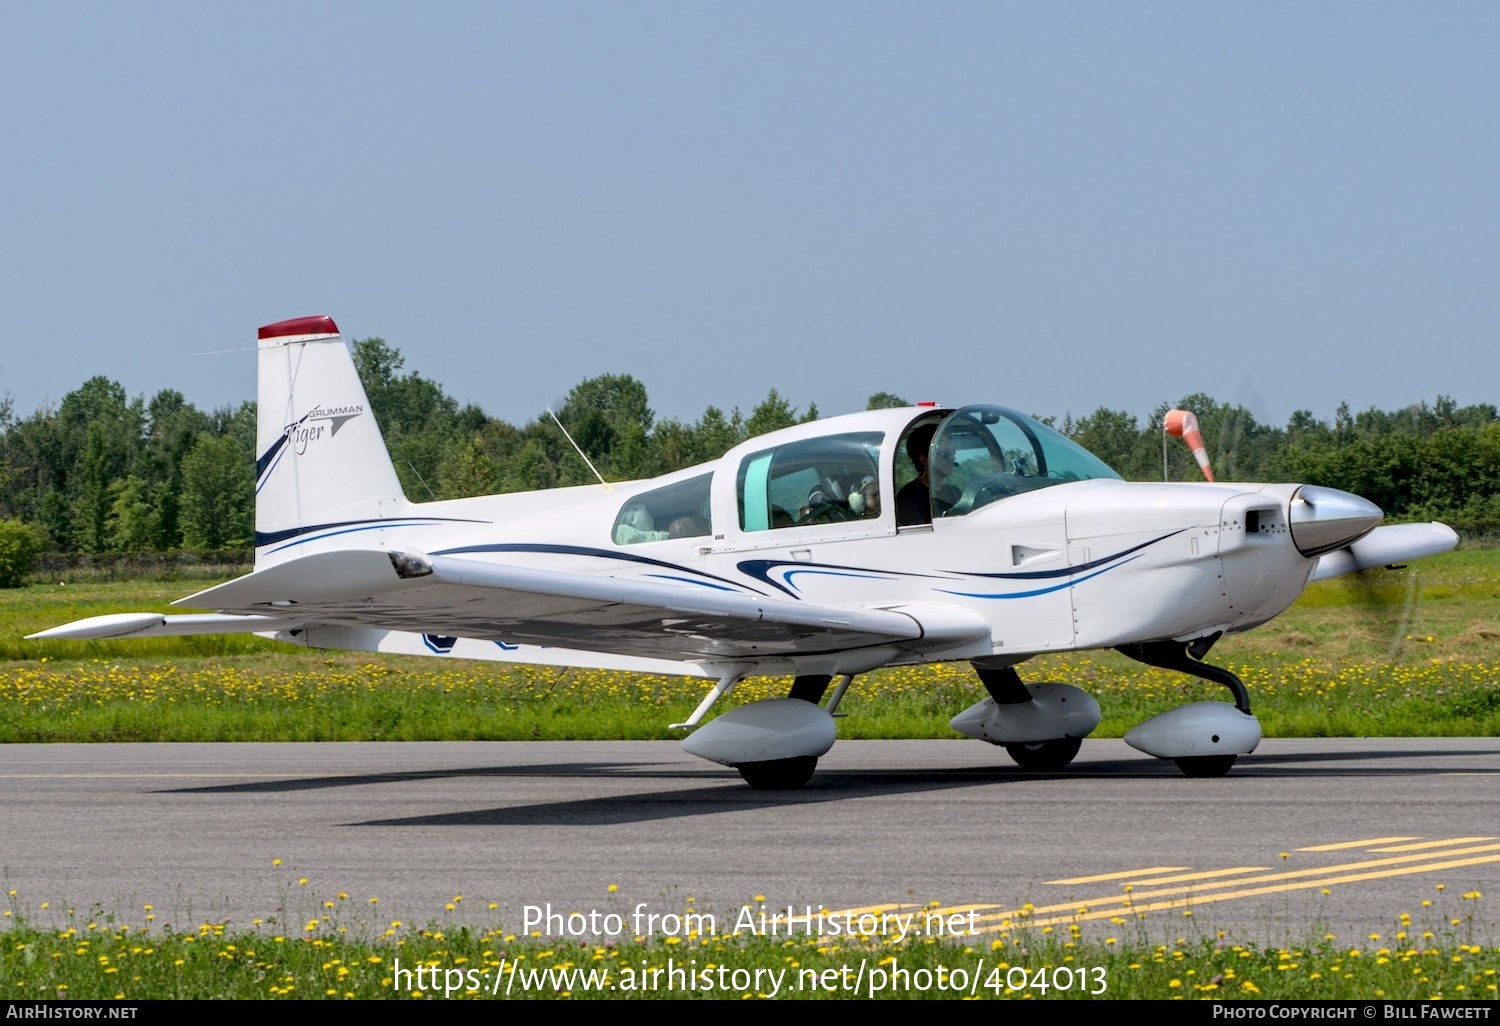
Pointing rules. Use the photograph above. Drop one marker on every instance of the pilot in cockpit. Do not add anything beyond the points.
(915, 502)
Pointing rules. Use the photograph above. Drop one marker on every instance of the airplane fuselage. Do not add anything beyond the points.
(1075, 564)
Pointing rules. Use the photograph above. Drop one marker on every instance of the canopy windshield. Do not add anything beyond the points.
(996, 453)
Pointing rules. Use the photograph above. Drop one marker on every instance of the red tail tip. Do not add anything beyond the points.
(300, 326)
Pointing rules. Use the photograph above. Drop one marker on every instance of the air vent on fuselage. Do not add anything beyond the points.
(1264, 521)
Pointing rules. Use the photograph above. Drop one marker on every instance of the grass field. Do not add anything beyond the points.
(1414, 652)
(1434, 954)
(1408, 653)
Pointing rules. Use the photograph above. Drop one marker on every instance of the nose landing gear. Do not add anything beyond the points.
(1204, 738)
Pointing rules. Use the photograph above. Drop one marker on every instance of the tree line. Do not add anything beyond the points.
(103, 472)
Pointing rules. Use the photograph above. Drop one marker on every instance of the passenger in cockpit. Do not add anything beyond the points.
(865, 500)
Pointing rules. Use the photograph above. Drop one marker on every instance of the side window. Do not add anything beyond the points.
(674, 511)
(813, 481)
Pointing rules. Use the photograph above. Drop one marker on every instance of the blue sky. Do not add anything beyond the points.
(1055, 206)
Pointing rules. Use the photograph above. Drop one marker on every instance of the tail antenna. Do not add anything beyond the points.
(576, 448)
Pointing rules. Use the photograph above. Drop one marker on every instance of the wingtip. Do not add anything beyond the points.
(110, 625)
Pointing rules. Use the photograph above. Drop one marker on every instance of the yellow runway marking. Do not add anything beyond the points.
(1205, 875)
(1119, 876)
(1275, 883)
(1196, 900)
(1433, 844)
(1358, 844)
(1211, 886)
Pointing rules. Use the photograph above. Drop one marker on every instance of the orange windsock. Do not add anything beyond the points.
(1185, 426)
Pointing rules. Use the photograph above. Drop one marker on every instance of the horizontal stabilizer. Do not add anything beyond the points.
(157, 625)
(323, 577)
(1394, 543)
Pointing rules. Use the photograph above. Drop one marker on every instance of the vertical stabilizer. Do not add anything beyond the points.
(323, 476)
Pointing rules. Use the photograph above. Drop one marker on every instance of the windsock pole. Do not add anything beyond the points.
(1185, 426)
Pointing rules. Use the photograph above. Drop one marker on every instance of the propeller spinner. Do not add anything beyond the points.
(1326, 519)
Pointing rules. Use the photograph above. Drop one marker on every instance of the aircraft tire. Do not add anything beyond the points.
(1205, 765)
(1045, 755)
(779, 774)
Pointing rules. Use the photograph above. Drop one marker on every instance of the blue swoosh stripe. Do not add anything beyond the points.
(761, 569)
(685, 580)
(1067, 571)
(1038, 591)
(587, 550)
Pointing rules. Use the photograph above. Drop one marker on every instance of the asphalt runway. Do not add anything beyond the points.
(1303, 838)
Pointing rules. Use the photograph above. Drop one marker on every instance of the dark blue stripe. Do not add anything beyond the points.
(1038, 591)
(266, 457)
(263, 538)
(585, 550)
(1038, 575)
(761, 570)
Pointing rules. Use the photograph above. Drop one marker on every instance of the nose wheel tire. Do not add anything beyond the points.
(1045, 755)
(779, 774)
(1205, 765)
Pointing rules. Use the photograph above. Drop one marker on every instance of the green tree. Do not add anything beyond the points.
(674, 445)
(715, 434)
(772, 414)
(20, 544)
(533, 464)
(172, 428)
(133, 521)
(218, 485)
(476, 460)
(403, 404)
(618, 398)
(610, 419)
(90, 491)
(1112, 435)
(885, 401)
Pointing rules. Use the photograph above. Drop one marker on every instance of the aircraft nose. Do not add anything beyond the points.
(1325, 519)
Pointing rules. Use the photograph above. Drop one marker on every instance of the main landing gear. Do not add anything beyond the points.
(775, 744)
(1041, 726)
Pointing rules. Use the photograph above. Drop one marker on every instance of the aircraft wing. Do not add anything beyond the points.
(467, 598)
(1393, 543)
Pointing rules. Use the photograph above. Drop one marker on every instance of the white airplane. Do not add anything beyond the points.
(786, 556)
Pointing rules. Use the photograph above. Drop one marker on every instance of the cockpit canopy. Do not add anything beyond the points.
(995, 452)
(862, 473)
